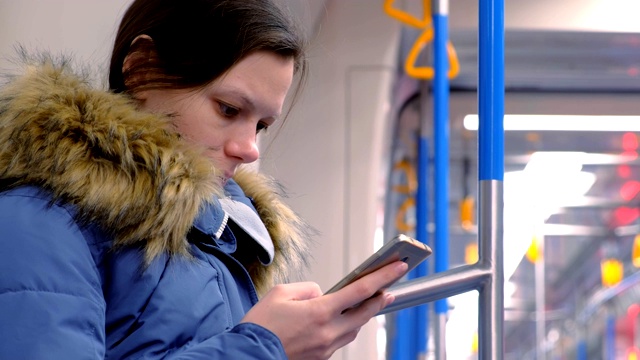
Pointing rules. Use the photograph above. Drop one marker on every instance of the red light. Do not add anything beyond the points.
(629, 190)
(631, 154)
(624, 171)
(629, 141)
(625, 216)
(633, 310)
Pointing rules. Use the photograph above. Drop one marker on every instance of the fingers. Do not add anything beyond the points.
(367, 286)
(311, 326)
(349, 323)
(361, 314)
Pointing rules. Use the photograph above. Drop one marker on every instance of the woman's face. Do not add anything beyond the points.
(226, 116)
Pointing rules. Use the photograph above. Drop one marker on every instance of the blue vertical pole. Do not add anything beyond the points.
(402, 341)
(491, 174)
(421, 312)
(581, 350)
(610, 338)
(412, 323)
(491, 90)
(441, 158)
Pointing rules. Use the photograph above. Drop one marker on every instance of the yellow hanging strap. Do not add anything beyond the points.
(407, 18)
(422, 72)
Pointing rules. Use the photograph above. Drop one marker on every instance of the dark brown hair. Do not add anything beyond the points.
(193, 42)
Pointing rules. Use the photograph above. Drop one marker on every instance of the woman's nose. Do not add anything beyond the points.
(244, 147)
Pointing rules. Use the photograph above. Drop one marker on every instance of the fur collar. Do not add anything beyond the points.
(125, 169)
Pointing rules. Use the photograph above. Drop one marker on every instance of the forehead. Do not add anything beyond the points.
(262, 78)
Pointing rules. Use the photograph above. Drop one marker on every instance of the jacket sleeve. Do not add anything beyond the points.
(51, 302)
(244, 341)
(180, 309)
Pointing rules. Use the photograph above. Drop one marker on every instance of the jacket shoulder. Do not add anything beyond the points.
(41, 239)
(49, 280)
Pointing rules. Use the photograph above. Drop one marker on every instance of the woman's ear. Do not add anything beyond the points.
(135, 67)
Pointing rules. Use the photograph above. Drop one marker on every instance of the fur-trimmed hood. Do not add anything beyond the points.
(125, 169)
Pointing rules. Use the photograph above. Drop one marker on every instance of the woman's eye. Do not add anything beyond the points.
(227, 110)
(261, 127)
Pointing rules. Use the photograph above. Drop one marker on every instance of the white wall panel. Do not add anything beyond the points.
(84, 28)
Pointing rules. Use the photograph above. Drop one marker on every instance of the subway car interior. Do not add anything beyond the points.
(374, 147)
(570, 229)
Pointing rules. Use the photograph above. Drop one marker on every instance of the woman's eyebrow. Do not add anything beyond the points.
(248, 102)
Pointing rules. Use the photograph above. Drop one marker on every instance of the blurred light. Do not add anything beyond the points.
(629, 141)
(378, 238)
(474, 343)
(611, 272)
(381, 338)
(624, 171)
(463, 323)
(534, 253)
(466, 213)
(633, 310)
(550, 181)
(631, 154)
(630, 190)
(562, 122)
(625, 215)
(635, 252)
(510, 289)
(608, 15)
(471, 253)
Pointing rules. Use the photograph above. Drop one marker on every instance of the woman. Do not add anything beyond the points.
(128, 228)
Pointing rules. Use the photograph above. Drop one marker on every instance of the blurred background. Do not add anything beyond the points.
(348, 156)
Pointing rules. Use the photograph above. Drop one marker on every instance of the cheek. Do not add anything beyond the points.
(185, 128)
(195, 131)
(215, 156)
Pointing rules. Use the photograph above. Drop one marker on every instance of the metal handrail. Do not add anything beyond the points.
(487, 275)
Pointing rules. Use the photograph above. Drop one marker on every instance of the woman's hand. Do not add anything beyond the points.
(312, 326)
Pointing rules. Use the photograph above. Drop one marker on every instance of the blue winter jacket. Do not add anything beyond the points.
(115, 242)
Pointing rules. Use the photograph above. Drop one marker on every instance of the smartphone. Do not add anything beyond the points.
(401, 247)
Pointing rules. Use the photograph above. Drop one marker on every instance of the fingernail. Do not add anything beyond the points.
(388, 299)
(402, 267)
